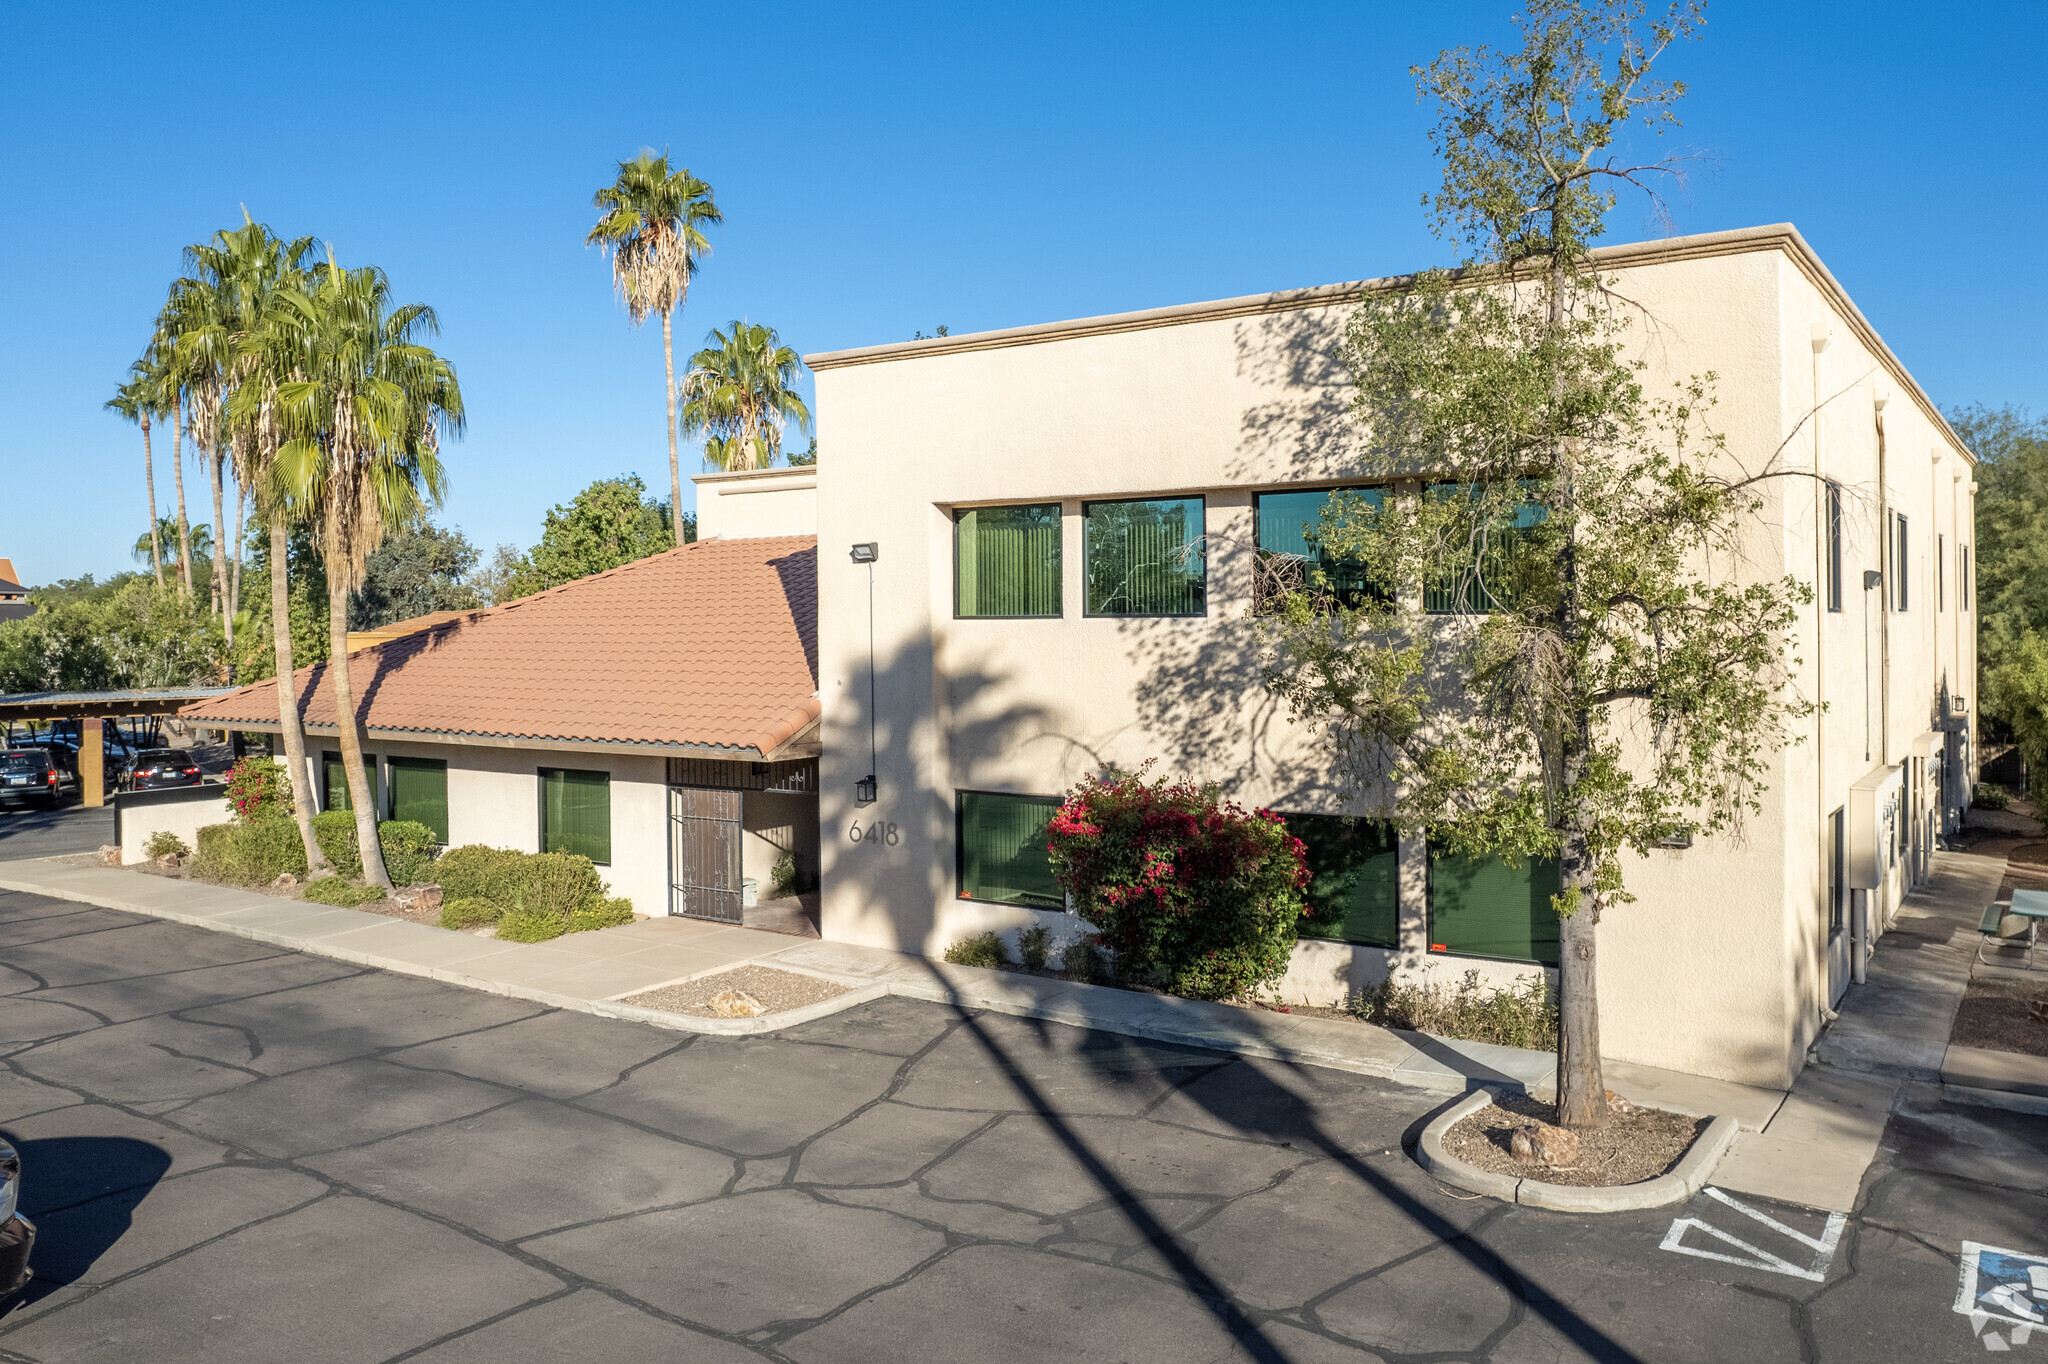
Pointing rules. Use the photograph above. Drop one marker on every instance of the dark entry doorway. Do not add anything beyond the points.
(704, 853)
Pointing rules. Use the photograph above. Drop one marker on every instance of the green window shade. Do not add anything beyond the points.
(1002, 850)
(1482, 907)
(1146, 558)
(576, 813)
(1006, 561)
(1288, 523)
(334, 782)
(1355, 879)
(419, 791)
(1492, 582)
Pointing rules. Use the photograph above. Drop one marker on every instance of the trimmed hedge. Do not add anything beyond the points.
(533, 896)
(408, 846)
(983, 949)
(468, 913)
(253, 854)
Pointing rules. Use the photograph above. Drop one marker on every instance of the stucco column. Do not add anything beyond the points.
(91, 764)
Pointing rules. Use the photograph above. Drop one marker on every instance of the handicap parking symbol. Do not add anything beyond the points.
(2007, 1287)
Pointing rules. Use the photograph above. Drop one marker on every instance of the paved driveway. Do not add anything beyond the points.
(237, 1153)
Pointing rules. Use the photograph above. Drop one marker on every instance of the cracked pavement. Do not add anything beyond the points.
(235, 1152)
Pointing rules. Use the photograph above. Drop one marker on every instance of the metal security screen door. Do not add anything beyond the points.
(704, 853)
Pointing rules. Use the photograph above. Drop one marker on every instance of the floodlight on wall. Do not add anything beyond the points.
(866, 552)
(1823, 333)
(1880, 399)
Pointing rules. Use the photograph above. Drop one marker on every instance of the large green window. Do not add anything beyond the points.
(1006, 561)
(1355, 879)
(1001, 849)
(419, 792)
(334, 782)
(1499, 572)
(1146, 558)
(1482, 907)
(1288, 525)
(576, 813)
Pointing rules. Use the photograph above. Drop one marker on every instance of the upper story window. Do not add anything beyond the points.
(1006, 561)
(1498, 573)
(1901, 597)
(1834, 533)
(1941, 573)
(1146, 558)
(1289, 524)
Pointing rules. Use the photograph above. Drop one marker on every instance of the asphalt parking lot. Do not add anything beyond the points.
(240, 1153)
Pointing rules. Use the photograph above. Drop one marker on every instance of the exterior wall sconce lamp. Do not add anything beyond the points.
(866, 791)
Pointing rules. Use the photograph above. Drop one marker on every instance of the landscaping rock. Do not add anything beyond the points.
(110, 855)
(1547, 1145)
(169, 861)
(418, 899)
(736, 1004)
(1617, 1104)
(285, 881)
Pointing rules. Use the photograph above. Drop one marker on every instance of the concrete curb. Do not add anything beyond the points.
(1674, 1186)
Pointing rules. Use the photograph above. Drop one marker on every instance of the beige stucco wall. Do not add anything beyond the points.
(757, 502)
(1717, 967)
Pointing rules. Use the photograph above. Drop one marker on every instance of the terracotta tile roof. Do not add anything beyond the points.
(714, 644)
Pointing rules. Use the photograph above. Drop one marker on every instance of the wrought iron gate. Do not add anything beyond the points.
(704, 853)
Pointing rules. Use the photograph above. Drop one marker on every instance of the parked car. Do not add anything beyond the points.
(157, 768)
(30, 776)
(17, 1233)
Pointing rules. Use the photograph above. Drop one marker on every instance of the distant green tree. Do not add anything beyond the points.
(806, 457)
(166, 541)
(2011, 572)
(127, 632)
(422, 567)
(609, 523)
(255, 653)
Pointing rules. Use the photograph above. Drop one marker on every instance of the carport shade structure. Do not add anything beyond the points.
(99, 705)
(708, 650)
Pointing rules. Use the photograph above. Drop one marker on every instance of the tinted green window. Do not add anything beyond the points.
(576, 813)
(1006, 561)
(1354, 886)
(334, 782)
(1145, 558)
(1493, 580)
(1482, 907)
(419, 791)
(1287, 527)
(1002, 850)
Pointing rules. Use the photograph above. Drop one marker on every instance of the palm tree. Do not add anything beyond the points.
(162, 388)
(200, 324)
(131, 401)
(740, 391)
(652, 224)
(165, 532)
(361, 409)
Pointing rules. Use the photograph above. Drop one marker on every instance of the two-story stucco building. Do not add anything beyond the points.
(1009, 630)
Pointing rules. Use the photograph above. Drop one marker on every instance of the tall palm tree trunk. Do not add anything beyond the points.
(288, 691)
(220, 540)
(345, 722)
(675, 468)
(184, 525)
(156, 556)
(235, 580)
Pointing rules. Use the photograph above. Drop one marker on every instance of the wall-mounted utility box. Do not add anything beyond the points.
(1874, 813)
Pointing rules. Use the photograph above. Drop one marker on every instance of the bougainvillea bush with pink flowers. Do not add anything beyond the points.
(1191, 892)
(258, 789)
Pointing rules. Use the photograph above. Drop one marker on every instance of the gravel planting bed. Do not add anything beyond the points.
(1993, 1015)
(778, 990)
(1631, 1148)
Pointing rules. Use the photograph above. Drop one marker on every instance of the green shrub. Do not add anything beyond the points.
(165, 844)
(1522, 1015)
(1034, 946)
(408, 850)
(1990, 796)
(468, 913)
(258, 789)
(335, 832)
(253, 854)
(530, 925)
(1188, 890)
(601, 914)
(782, 876)
(476, 872)
(984, 949)
(556, 884)
(1082, 961)
(335, 890)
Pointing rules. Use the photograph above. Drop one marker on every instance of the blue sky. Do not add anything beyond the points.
(885, 170)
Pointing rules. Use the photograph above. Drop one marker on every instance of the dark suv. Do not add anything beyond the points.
(157, 768)
(29, 775)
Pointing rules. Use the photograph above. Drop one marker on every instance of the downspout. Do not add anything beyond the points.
(1893, 574)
